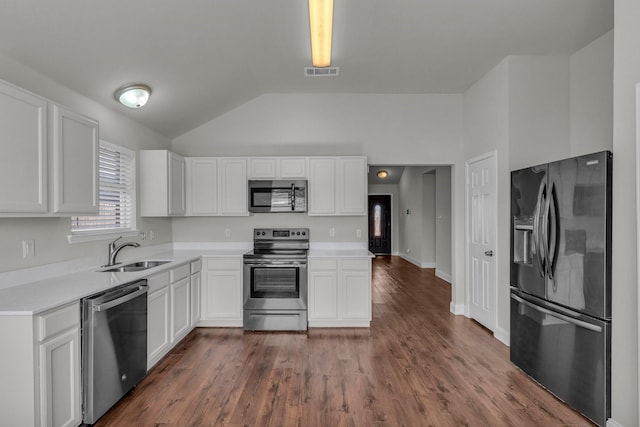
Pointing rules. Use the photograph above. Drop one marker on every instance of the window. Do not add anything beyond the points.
(117, 215)
(377, 220)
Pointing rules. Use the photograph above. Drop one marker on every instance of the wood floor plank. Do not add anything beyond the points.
(418, 365)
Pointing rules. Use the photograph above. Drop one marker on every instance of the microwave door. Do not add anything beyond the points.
(281, 199)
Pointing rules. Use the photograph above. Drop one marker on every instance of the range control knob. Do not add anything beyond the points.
(304, 233)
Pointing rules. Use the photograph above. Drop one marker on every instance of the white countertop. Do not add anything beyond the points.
(48, 288)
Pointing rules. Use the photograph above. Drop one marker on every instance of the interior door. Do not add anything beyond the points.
(481, 229)
(380, 224)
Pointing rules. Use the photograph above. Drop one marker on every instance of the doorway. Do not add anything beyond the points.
(380, 224)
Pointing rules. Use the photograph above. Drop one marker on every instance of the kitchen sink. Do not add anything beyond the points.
(135, 266)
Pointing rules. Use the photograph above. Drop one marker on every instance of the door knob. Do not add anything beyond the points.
(488, 253)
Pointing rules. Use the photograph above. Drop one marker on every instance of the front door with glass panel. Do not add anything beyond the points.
(380, 224)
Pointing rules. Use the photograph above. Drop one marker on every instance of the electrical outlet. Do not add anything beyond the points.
(28, 248)
(227, 232)
(358, 233)
(332, 232)
(143, 235)
(152, 235)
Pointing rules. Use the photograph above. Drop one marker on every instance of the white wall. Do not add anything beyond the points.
(443, 222)
(539, 119)
(393, 190)
(51, 243)
(428, 253)
(624, 355)
(592, 97)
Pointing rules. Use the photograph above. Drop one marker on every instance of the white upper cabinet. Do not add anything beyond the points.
(293, 167)
(75, 162)
(162, 183)
(232, 176)
(322, 186)
(278, 168)
(202, 185)
(264, 167)
(49, 164)
(351, 189)
(337, 186)
(217, 186)
(23, 164)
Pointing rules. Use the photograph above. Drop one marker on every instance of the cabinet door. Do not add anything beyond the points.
(158, 326)
(195, 298)
(356, 288)
(322, 185)
(233, 186)
(323, 295)
(202, 186)
(293, 167)
(75, 163)
(177, 203)
(263, 168)
(223, 295)
(60, 403)
(351, 188)
(23, 164)
(180, 309)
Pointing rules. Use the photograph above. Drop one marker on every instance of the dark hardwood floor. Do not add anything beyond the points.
(418, 365)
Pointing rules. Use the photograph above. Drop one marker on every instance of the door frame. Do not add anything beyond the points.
(467, 233)
(392, 218)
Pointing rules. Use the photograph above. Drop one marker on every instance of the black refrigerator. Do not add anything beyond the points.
(561, 279)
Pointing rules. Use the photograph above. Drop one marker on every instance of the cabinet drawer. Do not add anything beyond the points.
(323, 264)
(355, 264)
(196, 266)
(179, 273)
(58, 320)
(224, 264)
(158, 281)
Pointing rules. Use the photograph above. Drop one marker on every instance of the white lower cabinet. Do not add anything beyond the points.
(169, 317)
(158, 326)
(60, 375)
(222, 292)
(339, 292)
(180, 309)
(196, 286)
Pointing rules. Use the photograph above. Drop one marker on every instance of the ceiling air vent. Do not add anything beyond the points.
(321, 72)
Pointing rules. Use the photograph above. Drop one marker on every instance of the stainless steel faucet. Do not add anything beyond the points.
(113, 250)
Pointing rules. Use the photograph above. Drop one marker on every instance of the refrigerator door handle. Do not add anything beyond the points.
(536, 229)
(553, 238)
(566, 318)
(545, 234)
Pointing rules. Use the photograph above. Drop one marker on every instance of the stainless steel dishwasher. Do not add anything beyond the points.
(114, 346)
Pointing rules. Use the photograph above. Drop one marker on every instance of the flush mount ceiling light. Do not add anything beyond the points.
(382, 174)
(133, 95)
(320, 25)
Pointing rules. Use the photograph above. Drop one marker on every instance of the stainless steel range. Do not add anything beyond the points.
(275, 280)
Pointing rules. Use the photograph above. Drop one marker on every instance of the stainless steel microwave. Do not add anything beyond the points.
(277, 196)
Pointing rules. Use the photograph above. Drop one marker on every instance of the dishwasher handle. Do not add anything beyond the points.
(137, 291)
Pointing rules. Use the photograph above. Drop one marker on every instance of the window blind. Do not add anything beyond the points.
(117, 192)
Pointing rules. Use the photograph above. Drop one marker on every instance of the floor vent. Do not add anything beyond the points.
(321, 72)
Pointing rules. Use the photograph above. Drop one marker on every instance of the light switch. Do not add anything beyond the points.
(358, 233)
(332, 232)
(227, 232)
(28, 248)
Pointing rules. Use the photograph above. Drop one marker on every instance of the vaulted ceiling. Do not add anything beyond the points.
(203, 58)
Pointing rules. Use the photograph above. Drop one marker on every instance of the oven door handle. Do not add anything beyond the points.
(276, 263)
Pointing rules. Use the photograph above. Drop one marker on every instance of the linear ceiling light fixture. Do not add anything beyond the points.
(133, 95)
(321, 25)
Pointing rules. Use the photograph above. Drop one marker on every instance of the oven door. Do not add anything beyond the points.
(275, 284)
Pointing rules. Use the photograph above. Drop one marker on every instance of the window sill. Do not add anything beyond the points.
(105, 235)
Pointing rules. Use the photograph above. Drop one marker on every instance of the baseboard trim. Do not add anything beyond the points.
(418, 263)
(444, 276)
(457, 309)
(502, 335)
(613, 423)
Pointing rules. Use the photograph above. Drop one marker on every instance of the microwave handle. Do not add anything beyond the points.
(293, 197)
